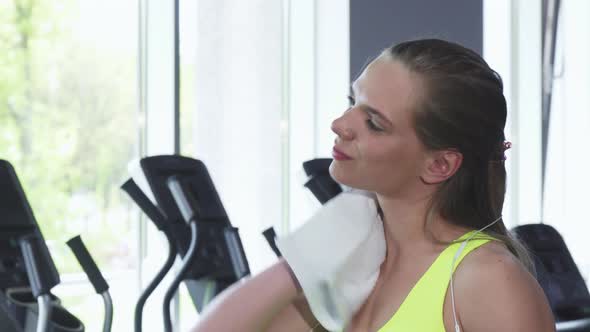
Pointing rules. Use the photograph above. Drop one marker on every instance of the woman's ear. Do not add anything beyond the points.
(441, 165)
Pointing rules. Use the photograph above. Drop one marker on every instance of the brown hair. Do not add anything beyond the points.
(463, 108)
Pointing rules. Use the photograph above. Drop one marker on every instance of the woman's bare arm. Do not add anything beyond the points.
(269, 301)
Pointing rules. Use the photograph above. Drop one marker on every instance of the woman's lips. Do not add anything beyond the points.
(338, 155)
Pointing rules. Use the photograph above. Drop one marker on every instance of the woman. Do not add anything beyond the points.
(425, 133)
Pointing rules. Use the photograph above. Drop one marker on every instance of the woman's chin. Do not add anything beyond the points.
(336, 172)
(343, 178)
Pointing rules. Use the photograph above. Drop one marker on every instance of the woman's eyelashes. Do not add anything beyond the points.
(350, 101)
(370, 121)
(372, 125)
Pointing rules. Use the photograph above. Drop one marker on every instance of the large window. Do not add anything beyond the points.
(254, 105)
(69, 124)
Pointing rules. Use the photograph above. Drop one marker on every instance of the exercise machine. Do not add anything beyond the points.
(178, 195)
(27, 271)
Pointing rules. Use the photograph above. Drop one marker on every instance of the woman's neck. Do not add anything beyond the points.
(405, 225)
(404, 219)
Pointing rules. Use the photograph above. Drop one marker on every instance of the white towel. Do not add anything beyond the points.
(336, 256)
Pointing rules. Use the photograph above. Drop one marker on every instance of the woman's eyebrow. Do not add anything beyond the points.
(370, 110)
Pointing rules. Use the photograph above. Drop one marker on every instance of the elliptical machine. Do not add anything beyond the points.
(179, 196)
(27, 272)
(176, 193)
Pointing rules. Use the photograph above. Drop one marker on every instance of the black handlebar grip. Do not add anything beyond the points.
(144, 203)
(271, 236)
(88, 265)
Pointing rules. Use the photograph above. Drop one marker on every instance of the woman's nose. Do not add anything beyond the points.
(342, 128)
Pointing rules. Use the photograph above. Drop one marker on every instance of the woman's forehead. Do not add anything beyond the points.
(387, 85)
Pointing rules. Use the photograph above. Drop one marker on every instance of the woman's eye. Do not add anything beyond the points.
(350, 101)
(371, 124)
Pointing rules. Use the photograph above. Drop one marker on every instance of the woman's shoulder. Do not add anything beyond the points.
(491, 262)
(494, 289)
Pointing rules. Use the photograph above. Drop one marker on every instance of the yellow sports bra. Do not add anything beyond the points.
(422, 309)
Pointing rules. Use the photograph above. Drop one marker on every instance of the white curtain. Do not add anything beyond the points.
(269, 76)
(237, 119)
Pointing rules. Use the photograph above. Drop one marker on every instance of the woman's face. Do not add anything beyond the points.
(376, 147)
